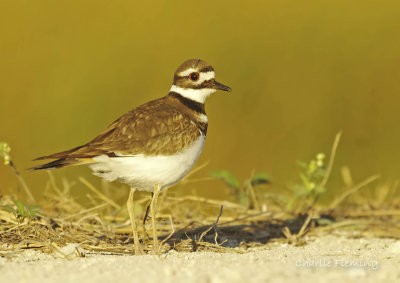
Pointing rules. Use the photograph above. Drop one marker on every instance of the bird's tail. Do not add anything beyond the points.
(59, 163)
(63, 159)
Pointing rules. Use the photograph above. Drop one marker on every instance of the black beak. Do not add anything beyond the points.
(220, 86)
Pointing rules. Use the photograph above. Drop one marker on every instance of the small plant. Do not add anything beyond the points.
(311, 187)
(21, 211)
(314, 177)
(5, 153)
(244, 194)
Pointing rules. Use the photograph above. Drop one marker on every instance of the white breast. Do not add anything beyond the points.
(143, 172)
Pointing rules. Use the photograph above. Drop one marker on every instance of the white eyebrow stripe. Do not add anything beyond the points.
(187, 72)
(205, 77)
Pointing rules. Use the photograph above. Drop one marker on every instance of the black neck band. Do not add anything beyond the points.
(194, 105)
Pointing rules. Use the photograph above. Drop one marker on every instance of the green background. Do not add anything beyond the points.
(300, 71)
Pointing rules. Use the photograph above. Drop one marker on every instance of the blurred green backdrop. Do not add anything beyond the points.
(300, 72)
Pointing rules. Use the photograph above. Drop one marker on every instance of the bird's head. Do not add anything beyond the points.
(195, 80)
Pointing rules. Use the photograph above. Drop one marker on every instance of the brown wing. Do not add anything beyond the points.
(157, 127)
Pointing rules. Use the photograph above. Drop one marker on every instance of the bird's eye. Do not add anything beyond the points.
(194, 76)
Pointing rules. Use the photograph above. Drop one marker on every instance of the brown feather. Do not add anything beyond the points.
(163, 126)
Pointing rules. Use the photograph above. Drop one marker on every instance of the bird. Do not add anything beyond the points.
(153, 146)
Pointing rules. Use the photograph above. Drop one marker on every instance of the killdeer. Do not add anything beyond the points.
(153, 146)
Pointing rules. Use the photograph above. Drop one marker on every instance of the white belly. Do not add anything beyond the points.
(143, 172)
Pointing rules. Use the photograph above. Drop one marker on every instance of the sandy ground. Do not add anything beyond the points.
(324, 259)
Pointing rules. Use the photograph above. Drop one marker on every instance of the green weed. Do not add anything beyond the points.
(21, 212)
(306, 193)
